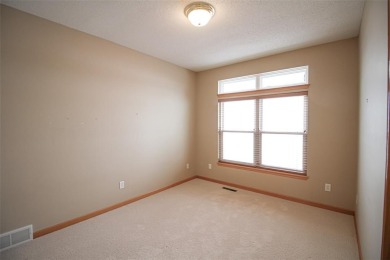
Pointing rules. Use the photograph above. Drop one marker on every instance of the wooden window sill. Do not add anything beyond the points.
(262, 170)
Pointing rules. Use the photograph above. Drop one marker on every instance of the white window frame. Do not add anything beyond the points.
(258, 95)
(304, 69)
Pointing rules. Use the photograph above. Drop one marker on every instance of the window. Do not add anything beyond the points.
(262, 121)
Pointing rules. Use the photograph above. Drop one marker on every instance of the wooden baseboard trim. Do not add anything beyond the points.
(68, 223)
(302, 201)
(357, 238)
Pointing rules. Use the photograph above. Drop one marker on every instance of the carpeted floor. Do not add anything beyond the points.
(200, 220)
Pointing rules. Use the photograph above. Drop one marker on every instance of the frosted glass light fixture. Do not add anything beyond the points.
(199, 13)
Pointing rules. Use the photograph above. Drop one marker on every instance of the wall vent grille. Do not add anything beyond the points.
(16, 237)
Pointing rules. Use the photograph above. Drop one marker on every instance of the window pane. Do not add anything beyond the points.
(282, 78)
(238, 147)
(282, 151)
(237, 85)
(238, 115)
(285, 114)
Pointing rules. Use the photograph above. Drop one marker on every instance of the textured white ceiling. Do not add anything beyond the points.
(240, 30)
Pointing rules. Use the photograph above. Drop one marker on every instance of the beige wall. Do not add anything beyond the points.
(373, 123)
(80, 114)
(333, 124)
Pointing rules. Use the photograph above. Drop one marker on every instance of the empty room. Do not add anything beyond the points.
(177, 129)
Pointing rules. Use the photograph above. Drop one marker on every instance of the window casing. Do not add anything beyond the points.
(265, 126)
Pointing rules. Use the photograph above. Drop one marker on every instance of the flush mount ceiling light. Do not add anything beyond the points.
(199, 13)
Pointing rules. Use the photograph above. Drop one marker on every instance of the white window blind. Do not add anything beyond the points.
(265, 129)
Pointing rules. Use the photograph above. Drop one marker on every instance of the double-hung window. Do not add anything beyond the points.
(262, 121)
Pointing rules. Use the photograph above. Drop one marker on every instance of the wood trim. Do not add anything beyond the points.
(272, 92)
(291, 94)
(68, 223)
(302, 201)
(385, 254)
(263, 170)
(357, 238)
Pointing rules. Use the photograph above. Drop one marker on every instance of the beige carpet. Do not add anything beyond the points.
(200, 220)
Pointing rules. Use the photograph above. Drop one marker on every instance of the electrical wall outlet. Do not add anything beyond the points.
(121, 185)
(187, 165)
(328, 187)
(210, 166)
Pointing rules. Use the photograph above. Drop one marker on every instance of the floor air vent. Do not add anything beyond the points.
(226, 188)
(16, 237)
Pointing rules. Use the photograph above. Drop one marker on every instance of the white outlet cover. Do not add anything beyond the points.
(328, 187)
(121, 184)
